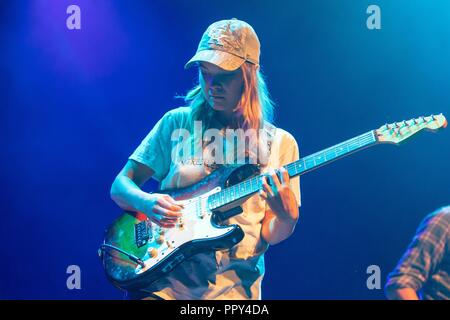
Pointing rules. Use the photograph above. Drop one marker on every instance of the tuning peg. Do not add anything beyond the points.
(422, 118)
(433, 117)
(160, 239)
(152, 252)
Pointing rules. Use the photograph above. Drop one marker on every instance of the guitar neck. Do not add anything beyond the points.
(328, 155)
(301, 166)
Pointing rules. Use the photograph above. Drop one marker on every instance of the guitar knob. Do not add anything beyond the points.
(160, 239)
(152, 252)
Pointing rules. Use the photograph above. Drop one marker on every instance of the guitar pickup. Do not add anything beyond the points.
(142, 233)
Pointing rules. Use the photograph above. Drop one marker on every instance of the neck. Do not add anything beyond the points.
(227, 118)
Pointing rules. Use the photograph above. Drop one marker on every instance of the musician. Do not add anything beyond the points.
(231, 94)
(424, 270)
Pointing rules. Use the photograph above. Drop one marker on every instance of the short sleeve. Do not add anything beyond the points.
(154, 151)
(289, 152)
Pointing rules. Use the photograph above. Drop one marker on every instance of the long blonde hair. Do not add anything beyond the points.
(254, 108)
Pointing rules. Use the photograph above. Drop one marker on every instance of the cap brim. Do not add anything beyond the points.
(224, 60)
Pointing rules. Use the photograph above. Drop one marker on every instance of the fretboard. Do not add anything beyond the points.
(301, 166)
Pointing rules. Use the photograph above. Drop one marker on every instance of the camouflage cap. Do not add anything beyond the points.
(228, 44)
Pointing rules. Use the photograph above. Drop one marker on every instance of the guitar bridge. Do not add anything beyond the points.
(142, 233)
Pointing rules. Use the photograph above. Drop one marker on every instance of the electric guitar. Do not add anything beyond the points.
(136, 252)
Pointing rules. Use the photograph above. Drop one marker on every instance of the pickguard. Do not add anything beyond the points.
(195, 225)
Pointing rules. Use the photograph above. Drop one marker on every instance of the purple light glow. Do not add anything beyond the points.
(92, 52)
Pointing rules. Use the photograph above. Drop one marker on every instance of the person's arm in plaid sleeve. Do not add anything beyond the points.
(420, 260)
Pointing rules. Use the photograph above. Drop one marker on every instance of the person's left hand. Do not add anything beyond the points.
(279, 195)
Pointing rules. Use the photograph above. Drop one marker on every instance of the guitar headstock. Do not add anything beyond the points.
(398, 131)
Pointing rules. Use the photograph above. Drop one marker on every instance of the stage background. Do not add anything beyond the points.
(76, 103)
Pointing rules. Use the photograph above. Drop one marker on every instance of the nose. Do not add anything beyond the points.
(215, 85)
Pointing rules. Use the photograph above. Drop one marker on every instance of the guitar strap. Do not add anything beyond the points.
(270, 129)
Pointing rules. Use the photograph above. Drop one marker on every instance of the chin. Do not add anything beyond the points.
(217, 107)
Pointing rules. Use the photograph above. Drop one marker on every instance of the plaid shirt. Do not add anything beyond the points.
(425, 266)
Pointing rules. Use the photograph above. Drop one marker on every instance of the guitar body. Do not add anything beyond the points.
(160, 250)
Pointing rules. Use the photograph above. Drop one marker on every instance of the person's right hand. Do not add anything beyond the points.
(162, 209)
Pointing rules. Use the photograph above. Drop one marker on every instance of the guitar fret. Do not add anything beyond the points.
(319, 160)
(308, 163)
(329, 155)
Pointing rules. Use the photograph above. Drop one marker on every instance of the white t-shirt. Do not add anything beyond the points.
(229, 274)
